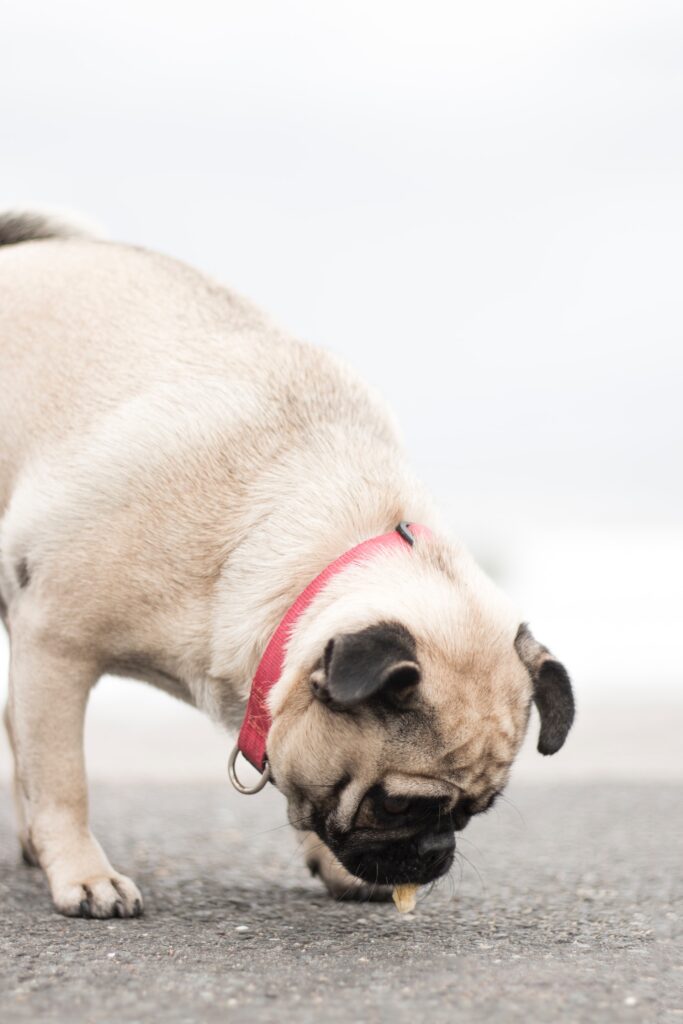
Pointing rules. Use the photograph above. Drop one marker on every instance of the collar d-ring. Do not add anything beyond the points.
(239, 786)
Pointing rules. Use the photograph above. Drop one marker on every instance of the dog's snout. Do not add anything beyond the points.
(395, 839)
(417, 860)
(435, 842)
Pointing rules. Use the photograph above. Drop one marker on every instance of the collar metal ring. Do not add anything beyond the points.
(239, 786)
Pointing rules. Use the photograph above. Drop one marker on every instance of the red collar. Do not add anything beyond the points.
(256, 725)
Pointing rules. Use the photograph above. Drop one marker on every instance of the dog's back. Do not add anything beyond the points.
(84, 326)
(88, 325)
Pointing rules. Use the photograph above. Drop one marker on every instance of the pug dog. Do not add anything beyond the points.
(174, 471)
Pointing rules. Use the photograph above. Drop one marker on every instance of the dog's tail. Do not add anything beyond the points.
(31, 225)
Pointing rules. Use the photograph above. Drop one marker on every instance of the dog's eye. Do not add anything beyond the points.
(396, 804)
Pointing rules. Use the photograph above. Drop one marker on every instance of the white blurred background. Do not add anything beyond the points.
(478, 205)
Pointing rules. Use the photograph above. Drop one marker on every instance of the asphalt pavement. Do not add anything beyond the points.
(566, 904)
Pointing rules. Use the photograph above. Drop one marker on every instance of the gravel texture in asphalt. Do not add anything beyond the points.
(565, 904)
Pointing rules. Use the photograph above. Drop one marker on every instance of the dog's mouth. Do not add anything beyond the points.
(391, 840)
(387, 860)
(400, 863)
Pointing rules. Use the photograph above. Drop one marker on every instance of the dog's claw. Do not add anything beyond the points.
(103, 896)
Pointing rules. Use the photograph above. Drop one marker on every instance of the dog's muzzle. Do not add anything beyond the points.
(417, 859)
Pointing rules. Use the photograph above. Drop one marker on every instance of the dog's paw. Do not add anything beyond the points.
(340, 883)
(101, 896)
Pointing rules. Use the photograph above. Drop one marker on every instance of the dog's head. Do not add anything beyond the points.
(405, 698)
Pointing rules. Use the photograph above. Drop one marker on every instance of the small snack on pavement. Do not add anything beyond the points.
(404, 897)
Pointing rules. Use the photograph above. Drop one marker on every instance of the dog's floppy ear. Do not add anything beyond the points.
(357, 666)
(552, 690)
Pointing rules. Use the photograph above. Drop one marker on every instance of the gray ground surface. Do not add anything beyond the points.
(574, 913)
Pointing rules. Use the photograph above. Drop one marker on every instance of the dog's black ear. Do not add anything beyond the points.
(552, 690)
(357, 666)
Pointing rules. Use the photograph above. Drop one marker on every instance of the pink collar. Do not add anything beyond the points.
(256, 725)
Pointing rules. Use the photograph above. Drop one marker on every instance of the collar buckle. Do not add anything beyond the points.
(234, 778)
(403, 530)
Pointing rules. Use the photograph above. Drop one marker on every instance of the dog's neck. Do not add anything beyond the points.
(288, 538)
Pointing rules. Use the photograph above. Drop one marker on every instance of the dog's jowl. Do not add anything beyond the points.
(175, 471)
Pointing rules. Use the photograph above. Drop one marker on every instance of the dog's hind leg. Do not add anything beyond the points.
(27, 852)
(49, 688)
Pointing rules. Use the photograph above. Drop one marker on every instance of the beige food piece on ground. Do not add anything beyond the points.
(404, 897)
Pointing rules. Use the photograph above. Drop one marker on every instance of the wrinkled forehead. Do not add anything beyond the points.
(477, 707)
(446, 751)
(461, 732)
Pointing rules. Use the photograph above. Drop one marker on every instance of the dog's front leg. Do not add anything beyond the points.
(48, 696)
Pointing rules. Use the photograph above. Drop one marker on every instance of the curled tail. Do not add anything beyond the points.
(30, 225)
